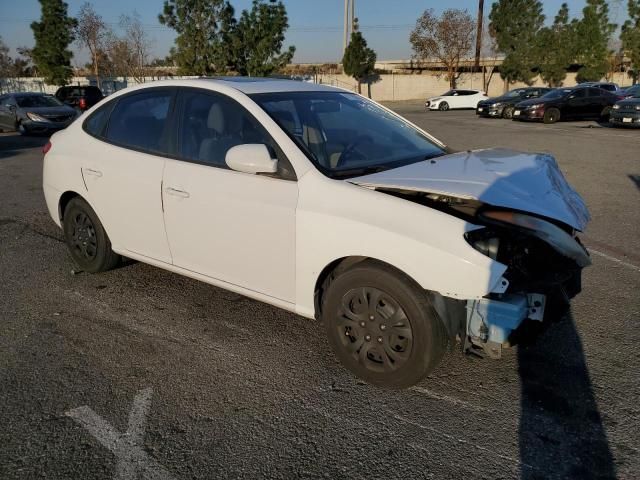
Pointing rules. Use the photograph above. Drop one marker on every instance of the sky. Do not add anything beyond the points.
(315, 26)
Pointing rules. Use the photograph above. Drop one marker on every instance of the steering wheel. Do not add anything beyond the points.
(352, 148)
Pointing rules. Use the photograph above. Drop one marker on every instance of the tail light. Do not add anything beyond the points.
(46, 148)
(82, 103)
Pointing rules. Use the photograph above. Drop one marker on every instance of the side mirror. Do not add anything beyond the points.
(251, 158)
(571, 97)
(11, 107)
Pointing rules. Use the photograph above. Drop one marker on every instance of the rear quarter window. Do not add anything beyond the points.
(96, 123)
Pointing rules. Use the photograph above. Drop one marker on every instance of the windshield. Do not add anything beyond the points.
(557, 93)
(346, 135)
(450, 93)
(37, 101)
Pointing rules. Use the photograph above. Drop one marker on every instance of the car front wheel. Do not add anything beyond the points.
(508, 112)
(551, 116)
(86, 238)
(444, 106)
(382, 326)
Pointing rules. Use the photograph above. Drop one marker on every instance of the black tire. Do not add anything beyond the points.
(357, 310)
(507, 112)
(86, 238)
(551, 116)
(443, 107)
(605, 114)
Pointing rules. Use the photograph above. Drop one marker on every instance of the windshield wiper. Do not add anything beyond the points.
(352, 172)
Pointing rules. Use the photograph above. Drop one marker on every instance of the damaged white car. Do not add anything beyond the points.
(324, 203)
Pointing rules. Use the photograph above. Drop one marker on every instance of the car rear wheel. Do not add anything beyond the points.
(381, 325)
(551, 116)
(86, 238)
(605, 114)
(444, 106)
(508, 112)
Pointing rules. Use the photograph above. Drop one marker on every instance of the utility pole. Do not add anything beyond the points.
(349, 21)
(353, 14)
(346, 26)
(479, 33)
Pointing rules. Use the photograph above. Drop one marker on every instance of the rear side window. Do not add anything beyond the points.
(139, 120)
(97, 121)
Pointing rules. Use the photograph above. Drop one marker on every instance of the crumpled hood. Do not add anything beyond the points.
(527, 182)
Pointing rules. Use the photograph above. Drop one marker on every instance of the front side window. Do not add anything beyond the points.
(345, 135)
(139, 121)
(210, 124)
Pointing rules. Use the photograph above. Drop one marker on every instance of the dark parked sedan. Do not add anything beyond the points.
(577, 103)
(504, 105)
(79, 97)
(626, 113)
(34, 113)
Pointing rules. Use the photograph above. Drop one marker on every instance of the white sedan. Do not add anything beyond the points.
(324, 203)
(456, 99)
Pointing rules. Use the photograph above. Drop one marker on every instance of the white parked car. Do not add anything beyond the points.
(324, 203)
(456, 99)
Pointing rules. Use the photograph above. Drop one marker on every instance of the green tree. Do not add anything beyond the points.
(257, 38)
(515, 25)
(593, 33)
(203, 28)
(359, 60)
(630, 37)
(6, 61)
(553, 62)
(53, 34)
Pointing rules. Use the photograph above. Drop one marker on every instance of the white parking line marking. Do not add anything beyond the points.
(133, 461)
(453, 400)
(616, 260)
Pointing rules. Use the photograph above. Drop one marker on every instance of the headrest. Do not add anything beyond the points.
(215, 120)
(227, 123)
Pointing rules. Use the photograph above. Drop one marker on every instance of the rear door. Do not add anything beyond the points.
(123, 168)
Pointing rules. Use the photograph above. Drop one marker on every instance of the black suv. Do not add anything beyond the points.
(503, 106)
(81, 98)
(577, 103)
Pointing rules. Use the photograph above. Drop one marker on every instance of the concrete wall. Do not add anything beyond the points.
(390, 87)
(387, 87)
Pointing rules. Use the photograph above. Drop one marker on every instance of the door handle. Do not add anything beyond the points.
(95, 173)
(176, 192)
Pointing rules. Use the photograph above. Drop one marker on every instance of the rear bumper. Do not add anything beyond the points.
(52, 199)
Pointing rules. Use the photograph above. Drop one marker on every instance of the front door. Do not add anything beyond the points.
(230, 226)
(123, 173)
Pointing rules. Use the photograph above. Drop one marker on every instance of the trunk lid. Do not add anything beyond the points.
(505, 178)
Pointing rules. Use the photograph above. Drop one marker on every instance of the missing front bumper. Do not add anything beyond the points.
(490, 323)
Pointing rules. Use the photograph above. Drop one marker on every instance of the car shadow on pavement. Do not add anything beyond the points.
(561, 430)
(11, 144)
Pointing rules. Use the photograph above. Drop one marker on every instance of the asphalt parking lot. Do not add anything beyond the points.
(141, 373)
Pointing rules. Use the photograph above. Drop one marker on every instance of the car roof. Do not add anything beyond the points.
(251, 85)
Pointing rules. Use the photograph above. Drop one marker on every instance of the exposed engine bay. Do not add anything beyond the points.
(544, 259)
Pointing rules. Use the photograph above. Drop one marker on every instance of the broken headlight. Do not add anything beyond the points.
(553, 235)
